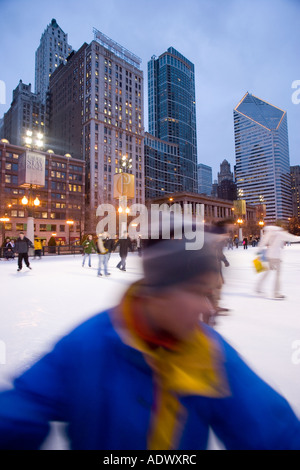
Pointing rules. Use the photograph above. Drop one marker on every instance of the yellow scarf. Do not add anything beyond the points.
(192, 367)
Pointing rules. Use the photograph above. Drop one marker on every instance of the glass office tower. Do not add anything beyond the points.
(262, 156)
(204, 179)
(172, 110)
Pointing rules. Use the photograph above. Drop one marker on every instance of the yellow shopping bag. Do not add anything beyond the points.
(258, 265)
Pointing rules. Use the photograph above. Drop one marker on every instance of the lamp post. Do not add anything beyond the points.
(240, 221)
(261, 226)
(125, 165)
(30, 204)
(70, 223)
(34, 139)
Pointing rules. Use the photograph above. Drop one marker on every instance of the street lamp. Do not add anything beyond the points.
(3, 220)
(30, 204)
(34, 140)
(70, 223)
(240, 222)
(261, 225)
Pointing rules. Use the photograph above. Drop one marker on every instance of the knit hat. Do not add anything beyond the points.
(168, 262)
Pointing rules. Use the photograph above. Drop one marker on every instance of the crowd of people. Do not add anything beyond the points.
(151, 373)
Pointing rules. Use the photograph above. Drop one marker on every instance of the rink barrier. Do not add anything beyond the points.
(57, 251)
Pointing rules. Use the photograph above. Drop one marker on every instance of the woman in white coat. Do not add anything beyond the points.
(272, 242)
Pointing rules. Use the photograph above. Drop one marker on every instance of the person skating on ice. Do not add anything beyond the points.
(21, 248)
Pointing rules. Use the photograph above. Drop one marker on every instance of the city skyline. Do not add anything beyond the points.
(233, 54)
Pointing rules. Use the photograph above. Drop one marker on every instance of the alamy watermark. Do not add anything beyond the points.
(2, 353)
(296, 94)
(2, 92)
(158, 221)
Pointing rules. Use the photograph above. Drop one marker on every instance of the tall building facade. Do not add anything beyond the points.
(161, 167)
(103, 85)
(61, 198)
(65, 106)
(52, 51)
(262, 156)
(295, 183)
(204, 179)
(26, 113)
(172, 109)
(226, 187)
(225, 172)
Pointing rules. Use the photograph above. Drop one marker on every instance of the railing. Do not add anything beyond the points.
(53, 250)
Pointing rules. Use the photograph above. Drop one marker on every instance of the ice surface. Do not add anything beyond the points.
(40, 306)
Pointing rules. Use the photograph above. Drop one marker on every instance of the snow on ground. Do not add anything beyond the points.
(40, 306)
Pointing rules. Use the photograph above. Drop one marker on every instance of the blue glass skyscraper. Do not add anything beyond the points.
(262, 156)
(172, 110)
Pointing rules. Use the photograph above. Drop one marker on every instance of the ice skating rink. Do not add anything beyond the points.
(40, 306)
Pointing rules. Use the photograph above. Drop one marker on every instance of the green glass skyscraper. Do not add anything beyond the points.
(172, 110)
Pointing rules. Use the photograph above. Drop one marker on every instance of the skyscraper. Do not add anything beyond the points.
(262, 156)
(172, 110)
(204, 179)
(26, 113)
(52, 51)
(295, 182)
(225, 172)
(161, 167)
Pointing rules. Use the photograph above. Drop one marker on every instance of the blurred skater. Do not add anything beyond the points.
(37, 247)
(103, 254)
(88, 247)
(125, 245)
(272, 243)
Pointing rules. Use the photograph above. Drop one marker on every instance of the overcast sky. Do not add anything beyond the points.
(236, 46)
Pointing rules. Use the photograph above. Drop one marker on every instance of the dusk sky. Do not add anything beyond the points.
(236, 46)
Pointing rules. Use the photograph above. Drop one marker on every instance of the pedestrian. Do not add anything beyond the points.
(88, 247)
(37, 247)
(236, 242)
(219, 229)
(245, 243)
(147, 375)
(109, 244)
(22, 247)
(103, 254)
(272, 243)
(125, 245)
(139, 245)
(9, 252)
(230, 244)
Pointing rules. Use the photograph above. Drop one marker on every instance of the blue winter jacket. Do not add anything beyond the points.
(103, 389)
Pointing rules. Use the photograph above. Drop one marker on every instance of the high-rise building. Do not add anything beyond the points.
(262, 156)
(52, 51)
(204, 179)
(172, 109)
(26, 114)
(65, 106)
(225, 172)
(161, 167)
(226, 187)
(103, 85)
(295, 183)
(61, 198)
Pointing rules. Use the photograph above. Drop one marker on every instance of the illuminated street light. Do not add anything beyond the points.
(3, 220)
(34, 140)
(70, 223)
